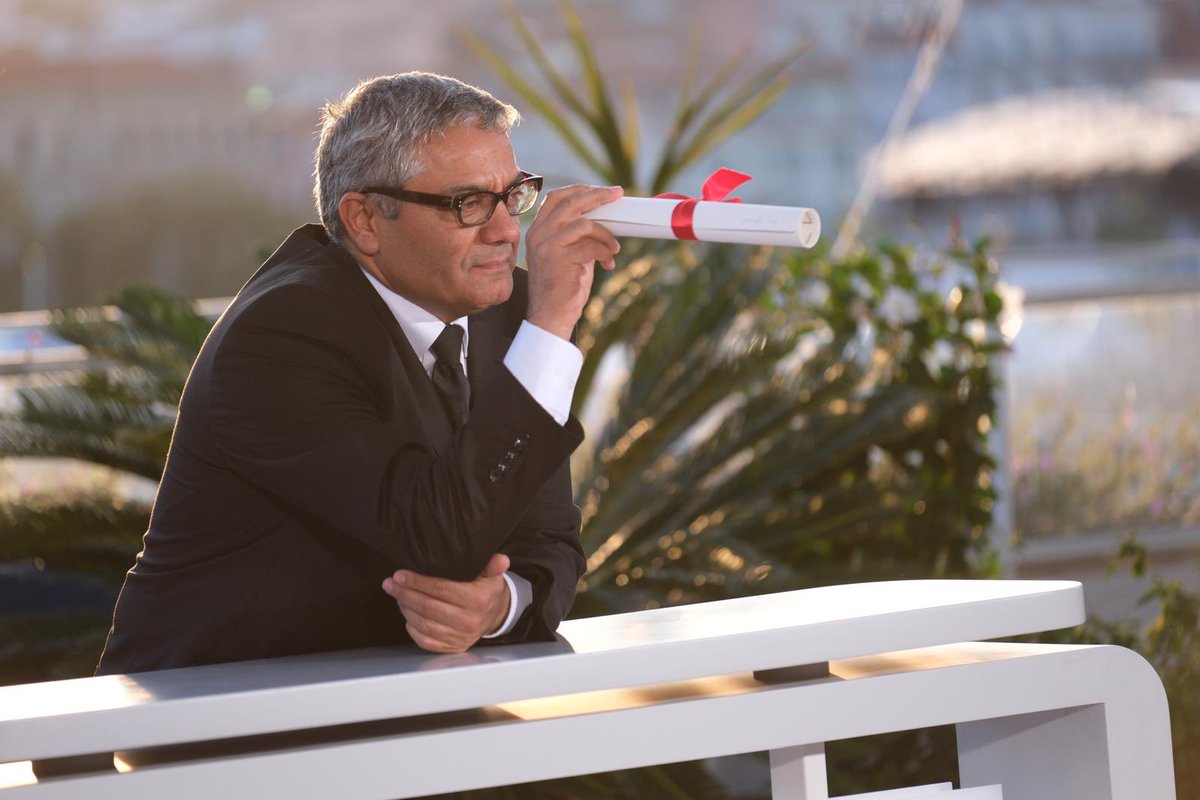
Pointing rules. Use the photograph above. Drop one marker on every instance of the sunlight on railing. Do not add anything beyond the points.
(18, 773)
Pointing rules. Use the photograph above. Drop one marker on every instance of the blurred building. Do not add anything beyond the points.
(1065, 166)
(76, 132)
(1092, 195)
(184, 70)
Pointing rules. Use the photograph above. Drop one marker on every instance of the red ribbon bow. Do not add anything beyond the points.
(717, 188)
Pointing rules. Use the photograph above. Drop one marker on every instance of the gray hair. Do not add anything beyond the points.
(373, 135)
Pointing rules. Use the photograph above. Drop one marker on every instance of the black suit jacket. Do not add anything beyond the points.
(311, 459)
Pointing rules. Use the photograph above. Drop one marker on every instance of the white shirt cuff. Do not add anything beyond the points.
(520, 597)
(547, 366)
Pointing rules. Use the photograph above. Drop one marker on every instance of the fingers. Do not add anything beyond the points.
(576, 241)
(440, 627)
(433, 636)
(432, 608)
(448, 616)
(562, 249)
(497, 565)
(431, 628)
(449, 591)
(571, 201)
(434, 625)
(559, 219)
(588, 232)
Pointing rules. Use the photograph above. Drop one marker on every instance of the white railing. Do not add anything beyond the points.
(783, 673)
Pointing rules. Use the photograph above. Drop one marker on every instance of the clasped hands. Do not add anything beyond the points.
(446, 616)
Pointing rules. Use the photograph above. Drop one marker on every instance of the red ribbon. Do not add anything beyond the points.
(717, 188)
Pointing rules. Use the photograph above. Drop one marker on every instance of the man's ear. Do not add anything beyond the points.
(359, 218)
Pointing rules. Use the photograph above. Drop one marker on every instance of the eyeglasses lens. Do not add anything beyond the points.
(522, 198)
(476, 209)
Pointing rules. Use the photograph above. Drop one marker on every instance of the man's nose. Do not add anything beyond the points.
(502, 227)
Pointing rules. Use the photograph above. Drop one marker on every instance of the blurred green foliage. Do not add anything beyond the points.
(117, 413)
(780, 421)
(1077, 478)
(81, 531)
(1170, 641)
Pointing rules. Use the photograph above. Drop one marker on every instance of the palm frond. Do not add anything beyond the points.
(614, 154)
(120, 410)
(695, 132)
(538, 101)
(604, 118)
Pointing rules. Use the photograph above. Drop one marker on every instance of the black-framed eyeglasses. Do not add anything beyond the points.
(473, 208)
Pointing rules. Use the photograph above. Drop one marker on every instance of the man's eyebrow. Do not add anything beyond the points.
(465, 188)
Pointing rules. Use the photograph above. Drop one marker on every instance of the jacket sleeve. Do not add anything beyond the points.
(294, 412)
(544, 549)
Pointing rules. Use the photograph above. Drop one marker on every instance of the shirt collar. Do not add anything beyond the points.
(420, 327)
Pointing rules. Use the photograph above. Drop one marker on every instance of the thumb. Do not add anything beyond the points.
(497, 565)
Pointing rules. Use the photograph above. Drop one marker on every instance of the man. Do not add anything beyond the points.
(372, 446)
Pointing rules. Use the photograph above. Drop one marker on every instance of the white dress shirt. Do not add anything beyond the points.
(545, 365)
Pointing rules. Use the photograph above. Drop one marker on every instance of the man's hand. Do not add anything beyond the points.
(563, 248)
(445, 616)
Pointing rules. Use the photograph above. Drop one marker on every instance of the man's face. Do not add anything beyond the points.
(426, 256)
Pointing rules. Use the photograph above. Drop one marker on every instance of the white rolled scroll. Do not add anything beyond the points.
(740, 223)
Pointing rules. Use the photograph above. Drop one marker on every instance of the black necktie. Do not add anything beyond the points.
(449, 380)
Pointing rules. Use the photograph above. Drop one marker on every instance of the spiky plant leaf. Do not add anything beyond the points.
(691, 135)
(120, 410)
(538, 101)
(792, 470)
(85, 531)
(694, 133)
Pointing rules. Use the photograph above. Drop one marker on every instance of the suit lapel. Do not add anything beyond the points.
(487, 345)
(411, 386)
(486, 348)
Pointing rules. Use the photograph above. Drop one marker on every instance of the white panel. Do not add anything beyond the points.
(1064, 753)
(931, 790)
(977, 793)
(603, 731)
(935, 791)
(798, 773)
(63, 718)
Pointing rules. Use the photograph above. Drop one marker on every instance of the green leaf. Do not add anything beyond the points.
(539, 102)
(546, 67)
(757, 93)
(720, 126)
(604, 118)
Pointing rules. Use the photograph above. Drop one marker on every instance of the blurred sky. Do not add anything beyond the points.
(108, 100)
